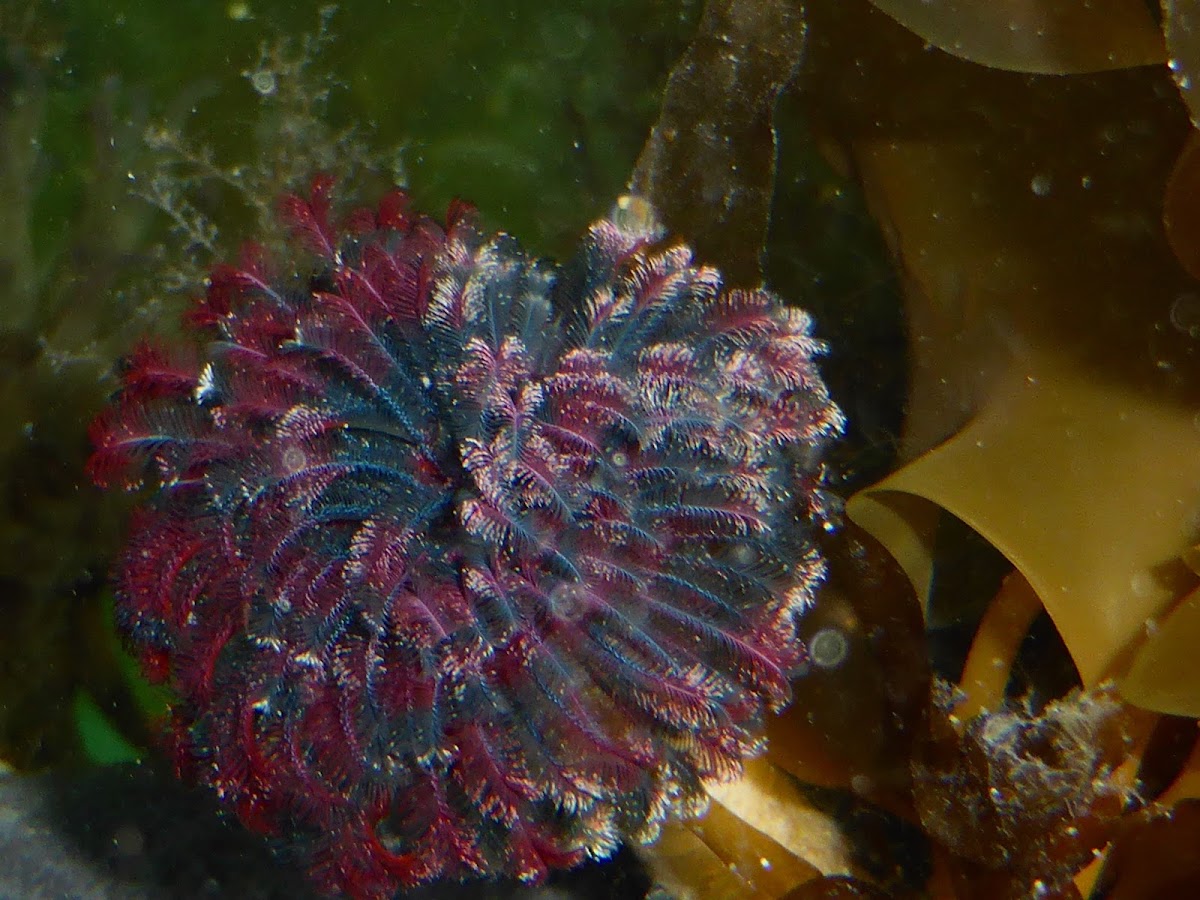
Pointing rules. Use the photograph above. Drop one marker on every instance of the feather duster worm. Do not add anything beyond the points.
(460, 562)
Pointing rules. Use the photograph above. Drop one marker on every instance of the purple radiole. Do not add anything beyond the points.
(460, 562)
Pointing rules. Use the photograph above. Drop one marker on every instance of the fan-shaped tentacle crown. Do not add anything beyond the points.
(460, 562)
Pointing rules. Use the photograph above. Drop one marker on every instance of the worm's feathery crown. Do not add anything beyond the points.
(460, 562)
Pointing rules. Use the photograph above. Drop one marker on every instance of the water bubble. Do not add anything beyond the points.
(263, 81)
(744, 555)
(862, 784)
(828, 648)
(1141, 584)
(568, 600)
(1185, 314)
(294, 459)
(566, 35)
(1040, 184)
(632, 213)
